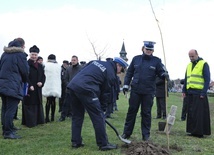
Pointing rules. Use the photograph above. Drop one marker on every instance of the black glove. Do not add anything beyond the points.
(166, 75)
(125, 89)
(103, 107)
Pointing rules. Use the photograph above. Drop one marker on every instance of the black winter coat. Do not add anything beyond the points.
(13, 72)
(36, 74)
(160, 88)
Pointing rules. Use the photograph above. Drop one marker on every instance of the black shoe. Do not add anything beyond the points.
(183, 119)
(195, 135)
(47, 120)
(146, 138)
(61, 119)
(158, 117)
(108, 147)
(164, 117)
(74, 145)
(16, 118)
(125, 136)
(109, 117)
(12, 136)
(16, 128)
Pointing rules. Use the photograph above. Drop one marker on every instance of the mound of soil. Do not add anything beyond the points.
(144, 148)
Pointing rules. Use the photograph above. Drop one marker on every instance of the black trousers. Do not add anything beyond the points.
(9, 106)
(184, 109)
(91, 103)
(61, 100)
(161, 106)
(66, 107)
(146, 102)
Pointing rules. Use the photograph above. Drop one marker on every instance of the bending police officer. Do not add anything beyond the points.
(90, 90)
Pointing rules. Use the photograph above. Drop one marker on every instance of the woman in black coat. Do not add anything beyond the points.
(32, 111)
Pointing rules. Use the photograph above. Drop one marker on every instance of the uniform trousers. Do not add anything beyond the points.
(89, 102)
(146, 102)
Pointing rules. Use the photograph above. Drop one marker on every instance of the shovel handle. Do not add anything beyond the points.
(115, 130)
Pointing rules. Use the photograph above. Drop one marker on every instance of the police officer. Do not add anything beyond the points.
(142, 72)
(90, 90)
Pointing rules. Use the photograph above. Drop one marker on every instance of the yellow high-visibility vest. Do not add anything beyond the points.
(195, 78)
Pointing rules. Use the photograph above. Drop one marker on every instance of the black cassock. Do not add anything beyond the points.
(198, 116)
(32, 108)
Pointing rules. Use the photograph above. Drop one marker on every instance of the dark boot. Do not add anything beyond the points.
(108, 147)
(53, 108)
(47, 110)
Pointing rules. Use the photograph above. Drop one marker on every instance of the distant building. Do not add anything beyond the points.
(123, 54)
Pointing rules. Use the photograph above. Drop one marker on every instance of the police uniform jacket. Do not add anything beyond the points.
(13, 72)
(97, 77)
(142, 73)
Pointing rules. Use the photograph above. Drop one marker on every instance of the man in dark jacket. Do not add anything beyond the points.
(64, 66)
(70, 72)
(13, 73)
(142, 72)
(90, 90)
(160, 95)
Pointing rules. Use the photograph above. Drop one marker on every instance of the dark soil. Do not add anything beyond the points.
(144, 148)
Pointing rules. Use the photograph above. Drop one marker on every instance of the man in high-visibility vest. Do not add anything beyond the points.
(196, 84)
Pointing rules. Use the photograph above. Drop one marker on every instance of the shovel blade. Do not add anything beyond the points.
(124, 140)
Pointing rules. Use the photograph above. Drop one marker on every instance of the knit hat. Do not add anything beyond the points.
(51, 57)
(34, 49)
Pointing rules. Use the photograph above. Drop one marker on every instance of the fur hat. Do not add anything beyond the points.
(34, 49)
(51, 57)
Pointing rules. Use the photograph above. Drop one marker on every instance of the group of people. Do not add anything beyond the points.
(28, 81)
(90, 88)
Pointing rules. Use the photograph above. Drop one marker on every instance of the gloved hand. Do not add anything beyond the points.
(166, 75)
(104, 107)
(125, 89)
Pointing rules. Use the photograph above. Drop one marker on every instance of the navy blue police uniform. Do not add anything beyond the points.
(141, 74)
(90, 90)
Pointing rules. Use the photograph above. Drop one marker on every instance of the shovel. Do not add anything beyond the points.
(115, 130)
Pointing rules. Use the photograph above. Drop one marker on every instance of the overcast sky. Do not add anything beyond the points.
(64, 27)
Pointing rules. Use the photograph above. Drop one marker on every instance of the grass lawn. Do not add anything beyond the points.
(54, 138)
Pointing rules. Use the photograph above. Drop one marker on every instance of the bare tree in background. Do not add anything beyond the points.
(98, 54)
